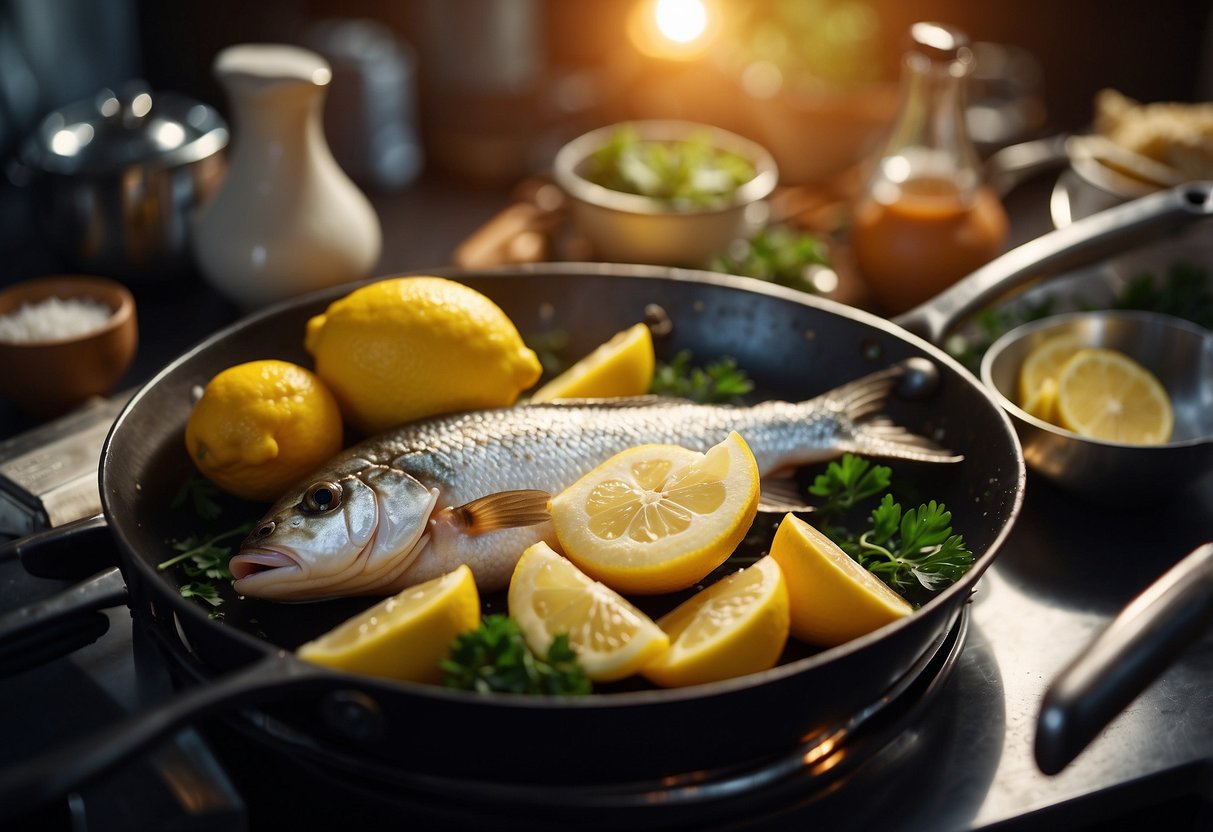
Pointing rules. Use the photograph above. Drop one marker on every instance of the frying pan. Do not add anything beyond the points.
(793, 345)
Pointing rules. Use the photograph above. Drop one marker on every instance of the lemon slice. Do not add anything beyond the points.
(405, 636)
(833, 598)
(623, 366)
(736, 626)
(1039, 371)
(658, 518)
(1104, 394)
(549, 595)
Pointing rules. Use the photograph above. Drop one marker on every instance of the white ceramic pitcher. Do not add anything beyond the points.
(286, 219)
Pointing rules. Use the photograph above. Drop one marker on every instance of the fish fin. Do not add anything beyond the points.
(780, 494)
(860, 401)
(502, 510)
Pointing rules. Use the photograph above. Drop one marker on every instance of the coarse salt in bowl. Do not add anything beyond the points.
(64, 339)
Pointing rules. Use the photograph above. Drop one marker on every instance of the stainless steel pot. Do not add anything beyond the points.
(116, 179)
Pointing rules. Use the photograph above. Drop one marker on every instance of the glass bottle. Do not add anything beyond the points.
(925, 218)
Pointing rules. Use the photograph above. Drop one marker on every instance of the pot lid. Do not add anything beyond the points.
(113, 131)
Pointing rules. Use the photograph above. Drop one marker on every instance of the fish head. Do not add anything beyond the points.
(349, 531)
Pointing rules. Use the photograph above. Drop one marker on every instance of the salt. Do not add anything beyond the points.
(53, 319)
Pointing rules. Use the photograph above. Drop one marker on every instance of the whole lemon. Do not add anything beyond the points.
(261, 426)
(409, 347)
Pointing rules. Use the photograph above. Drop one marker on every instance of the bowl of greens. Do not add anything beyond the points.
(670, 193)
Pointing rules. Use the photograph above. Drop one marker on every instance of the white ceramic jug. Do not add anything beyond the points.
(286, 219)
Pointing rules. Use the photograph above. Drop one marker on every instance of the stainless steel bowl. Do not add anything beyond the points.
(116, 179)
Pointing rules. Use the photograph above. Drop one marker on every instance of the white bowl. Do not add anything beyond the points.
(630, 228)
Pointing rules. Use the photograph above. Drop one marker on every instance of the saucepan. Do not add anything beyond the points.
(794, 345)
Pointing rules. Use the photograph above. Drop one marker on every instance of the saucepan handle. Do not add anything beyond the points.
(32, 783)
(1173, 613)
(1088, 240)
(69, 552)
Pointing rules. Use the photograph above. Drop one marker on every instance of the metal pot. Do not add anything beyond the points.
(116, 179)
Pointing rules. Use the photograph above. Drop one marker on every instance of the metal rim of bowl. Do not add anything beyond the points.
(572, 154)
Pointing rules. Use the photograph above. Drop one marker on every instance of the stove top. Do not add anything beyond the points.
(957, 755)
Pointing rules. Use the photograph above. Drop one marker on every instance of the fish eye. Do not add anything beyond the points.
(321, 496)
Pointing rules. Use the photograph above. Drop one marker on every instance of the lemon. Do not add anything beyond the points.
(657, 518)
(409, 347)
(549, 595)
(736, 626)
(833, 599)
(405, 636)
(623, 366)
(1039, 371)
(262, 425)
(1103, 394)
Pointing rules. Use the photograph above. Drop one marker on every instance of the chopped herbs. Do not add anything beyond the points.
(778, 255)
(686, 173)
(1185, 292)
(199, 494)
(903, 548)
(721, 382)
(495, 657)
(205, 562)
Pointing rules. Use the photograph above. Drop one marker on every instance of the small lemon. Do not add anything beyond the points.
(410, 347)
(1103, 394)
(833, 598)
(623, 366)
(549, 595)
(736, 626)
(261, 426)
(657, 518)
(405, 636)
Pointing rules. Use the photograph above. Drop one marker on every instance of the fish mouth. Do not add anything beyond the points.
(252, 562)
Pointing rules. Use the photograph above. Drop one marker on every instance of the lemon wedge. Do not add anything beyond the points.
(405, 636)
(549, 595)
(623, 366)
(1104, 394)
(736, 626)
(1039, 372)
(658, 518)
(833, 599)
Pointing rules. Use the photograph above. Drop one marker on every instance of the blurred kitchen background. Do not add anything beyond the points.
(480, 93)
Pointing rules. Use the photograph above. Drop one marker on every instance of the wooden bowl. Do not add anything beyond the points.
(49, 377)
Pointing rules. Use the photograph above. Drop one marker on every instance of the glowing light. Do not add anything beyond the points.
(673, 29)
(682, 21)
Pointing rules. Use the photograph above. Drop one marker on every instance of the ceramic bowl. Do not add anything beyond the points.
(630, 228)
(50, 376)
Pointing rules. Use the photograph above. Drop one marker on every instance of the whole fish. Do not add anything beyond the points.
(415, 502)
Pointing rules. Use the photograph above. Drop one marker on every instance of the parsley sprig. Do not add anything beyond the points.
(902, 547)
(721, 382)
(205, 561)
(495, 657)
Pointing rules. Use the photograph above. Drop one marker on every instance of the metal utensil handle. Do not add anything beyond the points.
(29, 784)
(1174, 612)
(1093, 238)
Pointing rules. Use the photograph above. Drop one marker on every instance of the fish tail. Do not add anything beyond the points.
(873, 434)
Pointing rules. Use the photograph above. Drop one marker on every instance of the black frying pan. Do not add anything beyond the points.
(792, 344)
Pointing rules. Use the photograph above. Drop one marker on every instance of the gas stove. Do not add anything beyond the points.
(950, 748)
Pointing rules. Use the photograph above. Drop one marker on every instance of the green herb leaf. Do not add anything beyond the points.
(848, 481)
(721, 382)
(779, 255)
(200, 494)
(495, 657)
(203, 591)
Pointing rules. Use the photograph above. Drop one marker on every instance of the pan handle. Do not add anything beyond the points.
(1093, 238)
(1171, 614)
(32, 783)
(69, 552)
(61, 624)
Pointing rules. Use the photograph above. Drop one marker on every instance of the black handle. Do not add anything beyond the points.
(70, 552)
(1173, 613)
(32, 783)
(58, 625)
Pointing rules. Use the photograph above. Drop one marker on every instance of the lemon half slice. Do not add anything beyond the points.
(736, 626)
(658, 518)
(1104, 394)
(833, 599)
(1039, 372)
(549, 595)
(405, 636)
(623, 366)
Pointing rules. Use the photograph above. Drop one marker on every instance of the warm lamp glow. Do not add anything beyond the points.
(672, 29)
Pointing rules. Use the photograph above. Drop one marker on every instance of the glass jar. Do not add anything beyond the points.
(925, 218)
